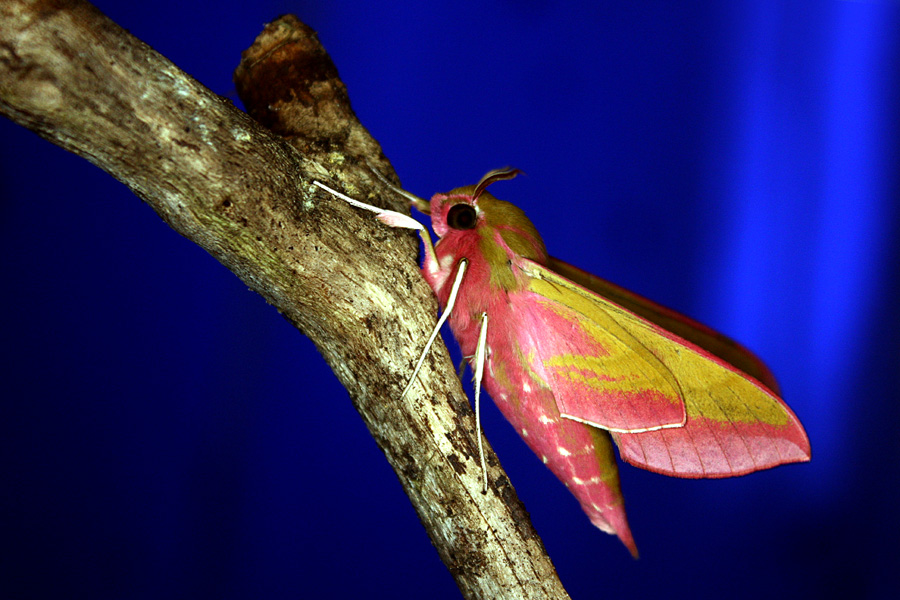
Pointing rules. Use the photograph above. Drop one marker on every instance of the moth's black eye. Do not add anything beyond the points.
(461, 216)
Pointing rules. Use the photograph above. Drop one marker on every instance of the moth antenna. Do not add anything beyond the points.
(451, 302)
(492, 176)
(421, 204)
(479, 374)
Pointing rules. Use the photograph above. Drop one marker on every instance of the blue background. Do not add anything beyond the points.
(165, 433)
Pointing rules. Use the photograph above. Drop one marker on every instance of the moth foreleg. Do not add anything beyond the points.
(391, 218)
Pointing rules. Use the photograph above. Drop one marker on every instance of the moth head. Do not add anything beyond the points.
(460, 210)
(502, 226)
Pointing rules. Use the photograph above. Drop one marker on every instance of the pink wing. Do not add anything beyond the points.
(733, 425)
(599, 373)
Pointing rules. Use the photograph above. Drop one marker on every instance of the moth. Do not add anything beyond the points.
(577, 364)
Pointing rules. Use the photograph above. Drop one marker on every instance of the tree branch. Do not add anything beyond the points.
(245, 195)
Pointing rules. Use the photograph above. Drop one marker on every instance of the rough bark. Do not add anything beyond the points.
(241, 188)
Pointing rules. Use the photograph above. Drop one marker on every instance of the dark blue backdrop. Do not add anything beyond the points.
(166, 434)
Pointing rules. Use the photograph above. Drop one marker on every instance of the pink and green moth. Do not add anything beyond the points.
(576, 363)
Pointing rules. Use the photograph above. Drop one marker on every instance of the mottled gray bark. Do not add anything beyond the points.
(241, 188)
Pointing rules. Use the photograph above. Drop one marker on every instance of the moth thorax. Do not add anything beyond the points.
(516, 229)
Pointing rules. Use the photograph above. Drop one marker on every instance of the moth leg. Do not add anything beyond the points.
(461, 369)
(391, 218)
(451, 302)
(479, 374)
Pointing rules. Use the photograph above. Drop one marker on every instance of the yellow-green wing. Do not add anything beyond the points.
(734, 424)
(684, 327)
